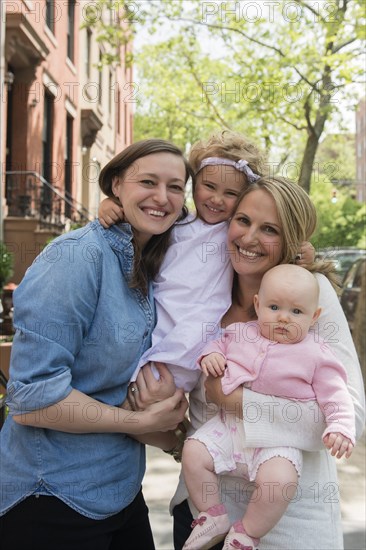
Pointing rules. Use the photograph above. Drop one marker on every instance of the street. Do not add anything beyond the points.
(162, 475)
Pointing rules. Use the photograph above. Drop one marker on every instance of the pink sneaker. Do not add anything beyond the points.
(238, 539)
(207, 531)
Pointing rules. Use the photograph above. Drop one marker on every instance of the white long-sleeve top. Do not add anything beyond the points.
(192, 292)
(313, 519)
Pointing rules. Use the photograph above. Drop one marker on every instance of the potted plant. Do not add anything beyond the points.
(6, 271)
(6, 265)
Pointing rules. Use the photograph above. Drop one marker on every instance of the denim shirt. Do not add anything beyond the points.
(78, 326)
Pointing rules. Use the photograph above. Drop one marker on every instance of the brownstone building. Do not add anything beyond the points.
(64, 114)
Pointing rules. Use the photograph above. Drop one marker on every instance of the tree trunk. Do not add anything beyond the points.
(307, 162)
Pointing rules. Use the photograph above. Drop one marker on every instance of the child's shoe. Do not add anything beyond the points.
(209, 528)
(237, 539)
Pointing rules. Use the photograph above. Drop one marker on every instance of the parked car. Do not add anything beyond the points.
(351, 290)
(343, 258)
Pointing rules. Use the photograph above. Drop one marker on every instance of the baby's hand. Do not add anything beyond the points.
(110, 212)
(338, 444)
(306, 255)
(214, 364)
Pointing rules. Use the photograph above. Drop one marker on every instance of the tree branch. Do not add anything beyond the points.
(247, 37)
(343, 45)
(300, 128)
(307, 109)
(310, 8)
(211, 105)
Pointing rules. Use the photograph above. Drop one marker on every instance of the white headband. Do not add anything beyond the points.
(241, 165)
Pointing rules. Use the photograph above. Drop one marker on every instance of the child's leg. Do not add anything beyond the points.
(276, 483)
(212, 523)
(199, 475)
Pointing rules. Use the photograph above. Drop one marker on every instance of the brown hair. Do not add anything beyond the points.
(147, 261)
(298, 218)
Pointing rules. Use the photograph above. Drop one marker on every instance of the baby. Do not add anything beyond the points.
(275, 355)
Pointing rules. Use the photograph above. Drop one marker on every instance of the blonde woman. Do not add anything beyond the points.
(272, 217)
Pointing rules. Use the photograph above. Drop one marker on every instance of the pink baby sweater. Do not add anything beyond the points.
(303, 371)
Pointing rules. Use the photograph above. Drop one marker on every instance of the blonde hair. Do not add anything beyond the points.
(229, 145)
(298, 218)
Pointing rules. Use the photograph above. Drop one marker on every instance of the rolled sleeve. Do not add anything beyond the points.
(47, 381)
(24, 398)
(52, 314)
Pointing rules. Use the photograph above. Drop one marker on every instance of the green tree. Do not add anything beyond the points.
(341, 222)
(336, 158)
(288, 64)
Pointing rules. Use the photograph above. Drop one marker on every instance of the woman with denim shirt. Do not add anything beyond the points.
(71, 471)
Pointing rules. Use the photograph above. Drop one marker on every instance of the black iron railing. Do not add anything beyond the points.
(30, 195)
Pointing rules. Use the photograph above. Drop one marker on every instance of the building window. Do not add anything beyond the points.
(71, 30)
(88, 53)
(46, 197)
(50, 15)
(68, 164)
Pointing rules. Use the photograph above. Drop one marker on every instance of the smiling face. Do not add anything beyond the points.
(216, 191)
(287, 304)
(255, 235)
(151, 192)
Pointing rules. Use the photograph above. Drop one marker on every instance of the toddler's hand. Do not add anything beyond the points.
(338, 444)
(110, 212)
(306, 254)
(214, 364)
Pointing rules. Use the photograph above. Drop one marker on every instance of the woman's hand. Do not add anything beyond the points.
(110, 212)
(165, 415)
(147, 390)
(232, 403)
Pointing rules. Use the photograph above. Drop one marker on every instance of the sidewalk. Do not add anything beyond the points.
(162, 475)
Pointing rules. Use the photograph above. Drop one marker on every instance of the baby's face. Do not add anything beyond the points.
(217, 188)
(285, 316)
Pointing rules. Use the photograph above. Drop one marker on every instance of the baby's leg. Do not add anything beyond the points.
(212, 523)
(276, 483)
(199, 475)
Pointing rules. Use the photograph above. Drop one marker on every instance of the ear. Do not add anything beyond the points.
(115, 185)
(316, 316)
(256, 303)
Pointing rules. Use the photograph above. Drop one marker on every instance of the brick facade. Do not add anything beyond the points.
(61, 118)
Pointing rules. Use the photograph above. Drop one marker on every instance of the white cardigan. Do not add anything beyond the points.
(312, 519)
